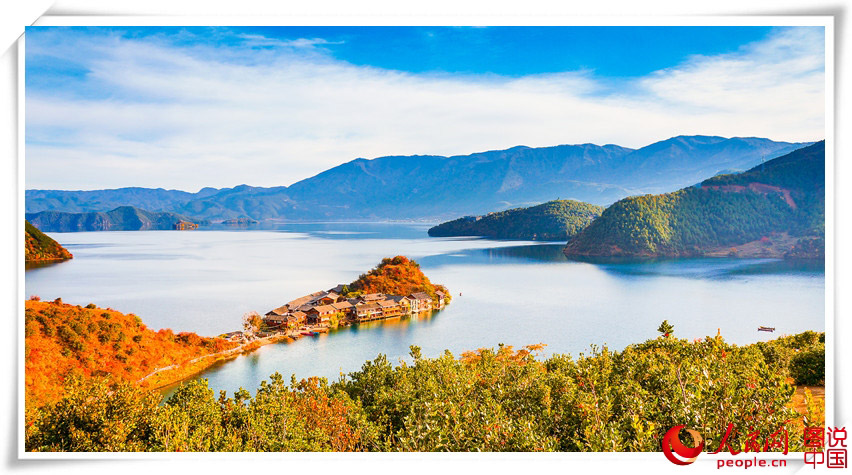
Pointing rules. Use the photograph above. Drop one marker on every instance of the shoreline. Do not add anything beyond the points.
(196, 366)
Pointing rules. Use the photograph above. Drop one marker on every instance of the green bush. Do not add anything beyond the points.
(486, 400)
(808, 366)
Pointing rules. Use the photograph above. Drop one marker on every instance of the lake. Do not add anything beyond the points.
(511, 292)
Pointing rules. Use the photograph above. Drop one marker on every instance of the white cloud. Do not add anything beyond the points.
(211, 116)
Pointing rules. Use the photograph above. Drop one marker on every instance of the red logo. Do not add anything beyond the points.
(672, 443)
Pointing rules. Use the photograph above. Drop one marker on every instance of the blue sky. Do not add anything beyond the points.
(218, 106)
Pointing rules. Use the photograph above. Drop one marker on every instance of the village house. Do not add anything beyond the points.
(338, 288)
(326, 298)
(367, 311)
(296, 318)
(345, 307)
(390, 308)
(294, 304)
(442, 297)
(420, 302)
(276, 316)
(403, 301)
(373, 297)
(320, 314)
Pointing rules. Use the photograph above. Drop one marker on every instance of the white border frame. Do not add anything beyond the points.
(445, 20)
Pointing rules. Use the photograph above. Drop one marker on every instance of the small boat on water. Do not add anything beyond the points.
(308, 333)
(766, 329)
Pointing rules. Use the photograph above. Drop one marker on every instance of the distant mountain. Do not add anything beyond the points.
(776, 209)
(106, 200)
(437, 187)
(557, 220)
(40, 247)
(123, 218)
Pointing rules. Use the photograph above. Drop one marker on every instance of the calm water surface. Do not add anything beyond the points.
(512, 292)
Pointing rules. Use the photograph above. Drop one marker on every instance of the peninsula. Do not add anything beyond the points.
(39, 247)
(557, 220)
(395, 288)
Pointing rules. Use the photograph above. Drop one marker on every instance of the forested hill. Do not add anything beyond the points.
(124, 218)
(395, 276)
(40, 247)
(66, 341)
(556, 220)
(446, 187)
(776, 209)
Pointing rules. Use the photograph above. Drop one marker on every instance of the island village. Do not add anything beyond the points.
(317, 312)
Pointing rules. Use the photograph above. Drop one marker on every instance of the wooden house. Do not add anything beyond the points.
(320, 314)
(403, 301)
(297, 318)
(390, 308)
(420, 302)
(441, 299)
(367, 311)
(276, 316)
(338, 288)
(345, 307)
(301, 301)
(373, 297)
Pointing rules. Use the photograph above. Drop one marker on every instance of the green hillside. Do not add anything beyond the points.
(123, 218)
(776, 209)
(40, 247)
(552, 221)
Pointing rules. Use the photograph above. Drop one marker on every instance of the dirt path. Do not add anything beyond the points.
(818, 392)
(233, 352)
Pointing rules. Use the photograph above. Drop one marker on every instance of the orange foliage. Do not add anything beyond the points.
(506, 353)
(326, 414)
(62, 340)
(397, 276)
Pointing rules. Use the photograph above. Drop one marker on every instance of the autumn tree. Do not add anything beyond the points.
(665, 328)
(252, 323)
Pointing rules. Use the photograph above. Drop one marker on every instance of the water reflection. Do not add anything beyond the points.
(542, 253)
(337, 230)
(286, 357)
(704, 268)
(30, 265)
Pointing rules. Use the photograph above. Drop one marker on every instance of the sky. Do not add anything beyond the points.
(189, 107)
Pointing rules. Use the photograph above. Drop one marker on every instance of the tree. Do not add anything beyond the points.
(666, 329)
(252, 322)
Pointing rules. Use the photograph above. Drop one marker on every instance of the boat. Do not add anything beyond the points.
(308, 333)
(766, 329)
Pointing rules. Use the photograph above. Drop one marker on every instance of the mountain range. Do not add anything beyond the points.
(428, 187)
(776, 209)
(123, 218)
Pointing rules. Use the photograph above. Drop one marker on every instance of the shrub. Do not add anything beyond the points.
(487, 400)
(808, 366)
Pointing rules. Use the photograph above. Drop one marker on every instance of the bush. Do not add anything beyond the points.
(487, 400)
(808, 367)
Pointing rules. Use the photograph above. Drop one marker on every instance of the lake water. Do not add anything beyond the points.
(510, 292)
